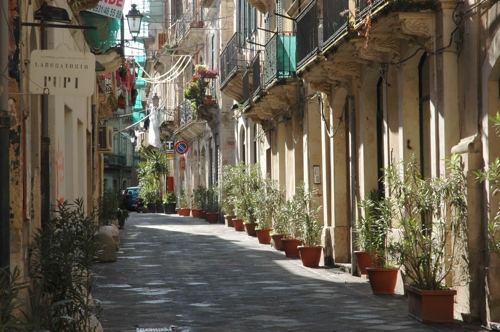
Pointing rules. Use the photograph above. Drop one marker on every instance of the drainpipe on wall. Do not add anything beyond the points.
(4, 143)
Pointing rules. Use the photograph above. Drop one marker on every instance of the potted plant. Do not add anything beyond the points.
(212, 211)
(184, 203)
(272, 199)
(169, 201)
(279, 226)
(432, 219)
(310, 235)
(371, 232)
(250, 197)
(291, 230)
(199, 201)
(209, 73)
(122, 72)
(200, 69)
(122, 101)
(227, 184)
(382, 274)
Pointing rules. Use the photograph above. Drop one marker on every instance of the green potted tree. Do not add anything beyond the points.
(250, 195)
(432, 220)
(212, 211)
(371, 234)
(291, 226)
(198, 203)
(184, 208)
(271, 200)
(279, 225)
(227, 187)
(169, 201)
(310, 235)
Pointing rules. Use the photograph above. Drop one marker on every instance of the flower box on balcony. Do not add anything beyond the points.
(209, 102)
(209, 73)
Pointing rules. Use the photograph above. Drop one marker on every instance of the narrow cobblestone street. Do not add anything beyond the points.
(182, 274)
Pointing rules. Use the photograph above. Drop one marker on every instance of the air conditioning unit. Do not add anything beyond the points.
(105, 139)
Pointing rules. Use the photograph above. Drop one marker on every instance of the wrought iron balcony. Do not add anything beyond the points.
(257, 84)
(115, 160)
(334, 24)
(186, 113)
(280, 57)
(189, 32)
(307, 33)
(231, 59)
(365, 8)
(246, 88)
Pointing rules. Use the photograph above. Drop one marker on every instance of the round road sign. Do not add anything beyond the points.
(181, 147)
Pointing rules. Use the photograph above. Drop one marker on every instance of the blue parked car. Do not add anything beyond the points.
(130, 198)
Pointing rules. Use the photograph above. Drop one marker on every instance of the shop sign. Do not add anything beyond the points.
(62, 72)
(109, 8)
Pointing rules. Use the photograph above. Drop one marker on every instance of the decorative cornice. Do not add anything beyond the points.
(386, 44)
(417, 25)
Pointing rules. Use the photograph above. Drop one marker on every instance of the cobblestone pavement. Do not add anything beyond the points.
(182, 274)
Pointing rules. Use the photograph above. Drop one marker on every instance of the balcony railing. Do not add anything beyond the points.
(307, 33)
(364, 8)
(333, 22)
(280, 56)
(246, 88)
(230, 57)
(257, 85)
(115, 159)
(186, 113)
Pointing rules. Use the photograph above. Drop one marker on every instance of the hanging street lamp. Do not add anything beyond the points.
(134, 18)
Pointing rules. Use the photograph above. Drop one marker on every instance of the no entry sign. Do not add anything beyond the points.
(181, 147)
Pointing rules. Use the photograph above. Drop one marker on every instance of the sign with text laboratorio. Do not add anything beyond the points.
(62, 72)
(109, 8)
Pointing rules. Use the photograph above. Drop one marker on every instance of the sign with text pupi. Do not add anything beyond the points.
(109, 8)
(62, 72)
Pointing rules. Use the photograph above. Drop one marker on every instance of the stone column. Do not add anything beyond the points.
(340, 177)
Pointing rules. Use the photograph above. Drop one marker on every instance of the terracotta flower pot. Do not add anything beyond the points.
(364, 260)
(229, 221)
(276, 241)
(382, 280)
(212, 217)
(263, 235)
(250, 228)
(203, 214)
(238, 225)
(431, 306)
(122, 103)
(196, 213)
(310, 256)
(186, 212)
(179, 211)
(290, 246)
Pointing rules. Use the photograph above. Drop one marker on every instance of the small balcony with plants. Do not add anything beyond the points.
(188, 31)
(232, 67)
(200, 104)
